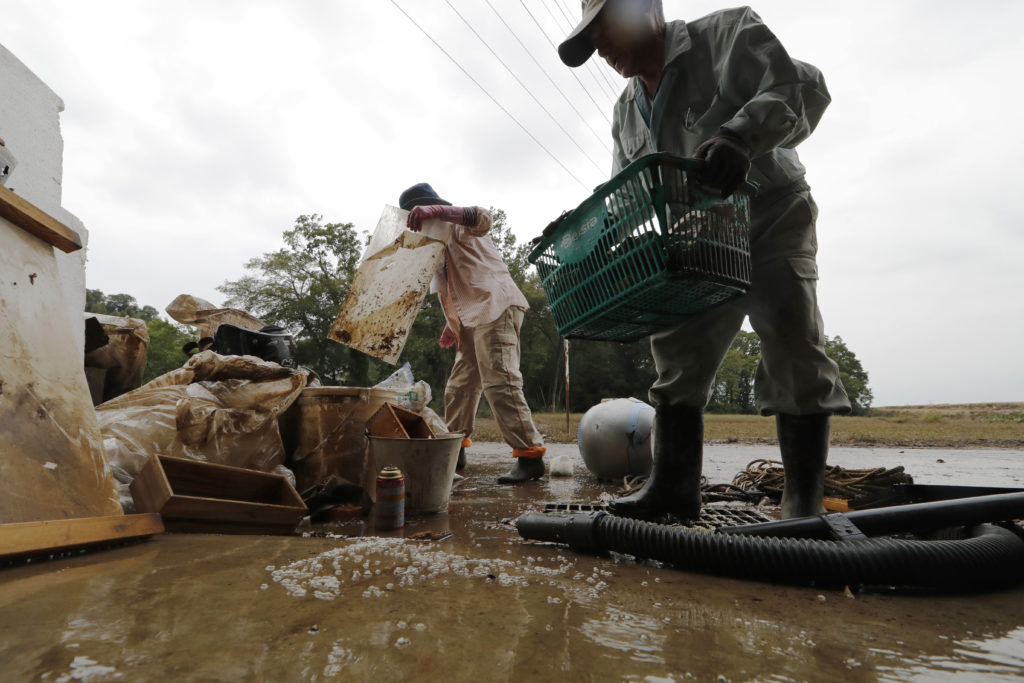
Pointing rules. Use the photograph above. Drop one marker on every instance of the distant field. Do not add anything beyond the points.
(992, 425)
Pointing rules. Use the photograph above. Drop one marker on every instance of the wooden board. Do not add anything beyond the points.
(34, 220)
(390, 285)
(192, 495)
(29, 539)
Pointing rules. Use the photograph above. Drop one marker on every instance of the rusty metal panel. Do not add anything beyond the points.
(390, 285)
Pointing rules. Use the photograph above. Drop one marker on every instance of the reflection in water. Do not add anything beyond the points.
(316, 608)
(997, 657)
(637, 634)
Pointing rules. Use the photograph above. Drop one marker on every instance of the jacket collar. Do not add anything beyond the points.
(677, 40)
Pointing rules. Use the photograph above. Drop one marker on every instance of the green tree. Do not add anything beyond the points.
(165, 342)
(600, 370)
(516, 256)
(855, 378)
(301, 287)
(122, 305)
(733, 390)
(429, 362)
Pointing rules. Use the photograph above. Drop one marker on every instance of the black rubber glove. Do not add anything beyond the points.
(728, 160)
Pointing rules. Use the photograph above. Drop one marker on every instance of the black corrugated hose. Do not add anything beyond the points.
(988, 557)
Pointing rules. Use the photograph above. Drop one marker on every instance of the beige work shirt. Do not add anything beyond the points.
(473, 282)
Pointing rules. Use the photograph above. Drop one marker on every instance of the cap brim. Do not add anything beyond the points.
(576, 49)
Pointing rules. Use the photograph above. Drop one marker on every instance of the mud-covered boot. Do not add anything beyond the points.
(674, 484)
(803, 440)
(525, 469)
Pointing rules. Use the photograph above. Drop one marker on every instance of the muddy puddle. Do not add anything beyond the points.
(481, 604)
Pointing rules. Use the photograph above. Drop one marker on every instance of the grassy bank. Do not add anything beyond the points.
(985, 425)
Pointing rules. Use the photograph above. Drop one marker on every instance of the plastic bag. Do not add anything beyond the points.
(409, 393)
(222, 409)
(413, 395)
(191, 310)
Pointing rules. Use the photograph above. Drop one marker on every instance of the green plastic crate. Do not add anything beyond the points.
(647, 249)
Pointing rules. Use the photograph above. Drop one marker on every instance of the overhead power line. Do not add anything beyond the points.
(523, 86)
(598, 66)
(589, 65)
(492, 98)
(540, 66)
(600, 108)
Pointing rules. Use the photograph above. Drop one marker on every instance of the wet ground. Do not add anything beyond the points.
(482, 604)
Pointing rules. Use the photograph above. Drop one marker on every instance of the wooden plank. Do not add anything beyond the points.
(231, 511)
(205, 526)
(27, 539)
(35, 221)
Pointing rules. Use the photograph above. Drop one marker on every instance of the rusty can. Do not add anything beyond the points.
(389, 511)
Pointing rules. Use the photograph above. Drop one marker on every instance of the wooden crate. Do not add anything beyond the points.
(197, 496)
(397, 422)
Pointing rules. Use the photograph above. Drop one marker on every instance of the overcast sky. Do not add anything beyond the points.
(196, 132)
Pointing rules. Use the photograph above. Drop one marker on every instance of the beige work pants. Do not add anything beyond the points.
(487, 363)
(794, 375)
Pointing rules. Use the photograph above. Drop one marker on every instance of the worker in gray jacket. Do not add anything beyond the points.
(724, 89)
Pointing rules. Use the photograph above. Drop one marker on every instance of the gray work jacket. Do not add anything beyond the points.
(726, 69)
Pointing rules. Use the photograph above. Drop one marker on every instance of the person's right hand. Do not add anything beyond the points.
(452, 214)
(728, 161)
(447, 338)
(418, 214)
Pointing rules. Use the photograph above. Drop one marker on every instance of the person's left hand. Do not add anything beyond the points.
(728, 161)
(447, 338)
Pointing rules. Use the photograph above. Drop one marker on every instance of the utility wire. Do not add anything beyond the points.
(594, 66)
(523, 86)
(540, 66)
(600, 108)
(492, 98)
(588, 65)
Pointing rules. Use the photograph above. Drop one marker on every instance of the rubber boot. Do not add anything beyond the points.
(460, 464)
(525, 469)
(674, 484)
(803, 440)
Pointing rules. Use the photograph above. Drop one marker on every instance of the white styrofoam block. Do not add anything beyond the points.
(30, 127)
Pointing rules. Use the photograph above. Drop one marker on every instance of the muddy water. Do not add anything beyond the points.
(484, 605)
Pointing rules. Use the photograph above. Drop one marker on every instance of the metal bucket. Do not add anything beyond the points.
(428, 466)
